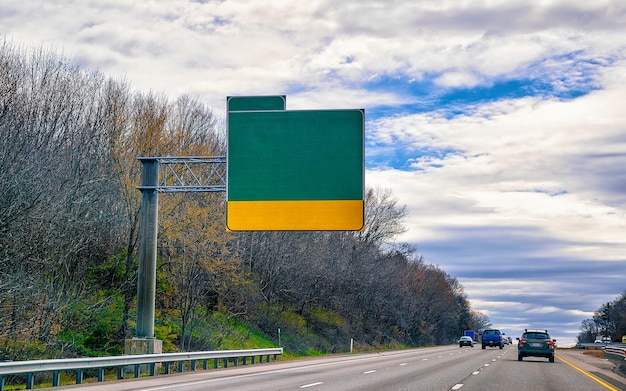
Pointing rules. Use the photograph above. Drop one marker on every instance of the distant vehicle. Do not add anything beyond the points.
(624, 339)
(598, 341)
(536, 343)
(493, 338)
(606, 340)
(510, 340)
(505, 339)
(466, 341)
(471, 334)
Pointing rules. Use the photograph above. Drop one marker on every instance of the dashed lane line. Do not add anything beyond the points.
(311, 384)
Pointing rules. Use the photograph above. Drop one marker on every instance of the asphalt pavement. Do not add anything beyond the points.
(595, 363)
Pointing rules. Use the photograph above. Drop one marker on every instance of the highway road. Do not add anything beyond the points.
(438, 368)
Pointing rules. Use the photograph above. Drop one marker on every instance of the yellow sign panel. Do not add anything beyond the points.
(295, 215)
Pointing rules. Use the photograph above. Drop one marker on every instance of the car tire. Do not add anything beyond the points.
(551, 358)
(519, 356)
(483, 346)
(501, 346)
(460, 345)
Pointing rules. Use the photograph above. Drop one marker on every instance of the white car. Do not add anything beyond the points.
(466, 341)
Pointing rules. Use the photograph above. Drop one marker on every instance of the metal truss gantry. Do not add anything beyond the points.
(188, 174)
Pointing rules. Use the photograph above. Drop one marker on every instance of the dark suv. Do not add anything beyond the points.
(536, 343)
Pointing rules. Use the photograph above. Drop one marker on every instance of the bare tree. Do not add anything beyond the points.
(55, 217)
(384, 218)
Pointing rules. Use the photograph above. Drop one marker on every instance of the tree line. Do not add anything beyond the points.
(608, 321)
(69, 218)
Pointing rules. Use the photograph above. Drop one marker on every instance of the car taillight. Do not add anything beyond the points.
(522, 341)
(549, 342)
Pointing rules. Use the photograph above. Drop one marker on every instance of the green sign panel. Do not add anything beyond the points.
(248, 103)
(294, 170)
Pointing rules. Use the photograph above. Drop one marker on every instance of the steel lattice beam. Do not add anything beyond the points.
(190, 174)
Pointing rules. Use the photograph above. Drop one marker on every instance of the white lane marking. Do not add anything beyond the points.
(493, 359)
(403, 364)
(372, 371)
(457, 386)
(278, 371)
(475, 372)
(312, 384)
(486, 365)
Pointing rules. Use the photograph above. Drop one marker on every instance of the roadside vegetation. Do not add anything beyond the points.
(609, 320)
(69, 218)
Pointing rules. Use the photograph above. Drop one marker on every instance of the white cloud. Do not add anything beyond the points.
(458, 79)
(519, 163)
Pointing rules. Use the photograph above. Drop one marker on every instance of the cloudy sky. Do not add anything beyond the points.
(501, 124)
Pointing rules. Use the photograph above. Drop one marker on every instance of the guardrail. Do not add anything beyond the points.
(616, 351)
(148, 361)
(595, 345)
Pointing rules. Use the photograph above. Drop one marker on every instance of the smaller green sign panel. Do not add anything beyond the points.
(294, 170)
(256, 103)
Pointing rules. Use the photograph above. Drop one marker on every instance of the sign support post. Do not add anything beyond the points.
(181, 174)
(146, 281)
(145, 342)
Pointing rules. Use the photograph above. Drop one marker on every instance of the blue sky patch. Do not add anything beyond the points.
(574, 76)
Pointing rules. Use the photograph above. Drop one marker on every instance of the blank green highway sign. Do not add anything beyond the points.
(293, 170)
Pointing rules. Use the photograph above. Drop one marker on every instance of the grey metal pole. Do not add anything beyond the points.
(146, 278)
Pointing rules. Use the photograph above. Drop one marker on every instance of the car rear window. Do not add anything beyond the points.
(489, 332)
(537, 336)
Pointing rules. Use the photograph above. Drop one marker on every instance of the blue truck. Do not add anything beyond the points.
(470, 333)
(492, 338)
